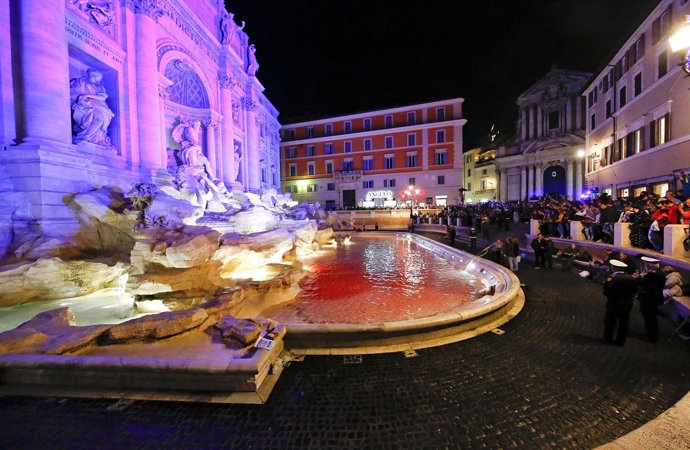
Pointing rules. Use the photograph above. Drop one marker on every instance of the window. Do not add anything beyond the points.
(468, 159)
(293, 188)
(608, 81)
(310, 131)
(592, 97)
(637, 50)
(484, 171)
(660, 131)
(608, 109)
(429, 200)
(367, 144)
(329, 129)
(440, 136)
(622, 96)
(411, 140)
(554, 120)
(348, 147)
(411, 118)
(348, 127)
(389, 121)
(592, 121)
(389, 183)
(469, 172)
(328, 149)
(293, 170)
(367, 124)
(469, 186)
(311, 168)
(441, 179)
(292, 134)
(412, 160)
(367, 184)
(412, 181)
(389, 162)
(292, 152)
(389, 141)
(264, 174)
(312, 188)
(441, 157)
(637, 141)
(368, 164)
(311, 150)
(347, 166)
(330, 186)
(661, 26)
(440, 114)
(662, 64)
(329, 167)
(638, 84)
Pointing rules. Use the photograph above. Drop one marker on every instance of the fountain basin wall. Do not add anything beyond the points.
(497, 308)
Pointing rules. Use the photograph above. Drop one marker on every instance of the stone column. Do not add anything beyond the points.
(540, 122)
(524, 122)
(578, 113)
(8, 132)
(578, 178)
(147, 13)
(533, 122)
(219, 151)
(539, 180)
(504, 187)
(45, 73)
(498, 185)
(569, 179)
(163, 95)
(567, 118)
(228, 128)
(211, 146)
(523, 184)
(252, 153)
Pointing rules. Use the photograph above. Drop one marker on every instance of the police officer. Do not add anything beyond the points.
(620, 289)
(650, 294)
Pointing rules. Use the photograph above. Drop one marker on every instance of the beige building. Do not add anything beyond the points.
(638, 114)
(480, 175)
(546, 156)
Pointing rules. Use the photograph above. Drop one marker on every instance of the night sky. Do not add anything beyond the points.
(321, 58)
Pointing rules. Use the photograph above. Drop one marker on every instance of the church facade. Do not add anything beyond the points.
(546, 155)
(93, 91)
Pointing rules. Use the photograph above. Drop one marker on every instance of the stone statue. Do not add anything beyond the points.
(253, 63)
(90, 112)
(100, 12)
(194, 172)
(237, 156)
(228, 28)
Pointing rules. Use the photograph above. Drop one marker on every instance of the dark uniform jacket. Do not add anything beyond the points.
(620, 289)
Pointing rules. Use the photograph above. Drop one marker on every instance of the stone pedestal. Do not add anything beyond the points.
(576, 231)
(533, 227)
(673, 241)
(621, 235)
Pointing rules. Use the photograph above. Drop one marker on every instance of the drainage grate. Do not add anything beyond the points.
(411, 354)
(352, 359)
(498, 331)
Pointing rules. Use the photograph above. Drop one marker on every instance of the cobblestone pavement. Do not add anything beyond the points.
(546, 383)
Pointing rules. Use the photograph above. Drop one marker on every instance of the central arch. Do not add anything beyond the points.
(554, 180)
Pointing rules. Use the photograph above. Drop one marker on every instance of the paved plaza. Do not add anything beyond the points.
(547, 382)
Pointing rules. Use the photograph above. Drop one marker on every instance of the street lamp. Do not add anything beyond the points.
(411, 194)
(680, 42)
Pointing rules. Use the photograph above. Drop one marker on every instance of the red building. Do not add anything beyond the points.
(370, 159)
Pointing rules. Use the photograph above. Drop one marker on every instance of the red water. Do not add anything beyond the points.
(379, 279)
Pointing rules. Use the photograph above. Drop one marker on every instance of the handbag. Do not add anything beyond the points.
(518, 259)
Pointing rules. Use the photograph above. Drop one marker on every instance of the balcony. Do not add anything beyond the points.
(348, 175)
(484, 161)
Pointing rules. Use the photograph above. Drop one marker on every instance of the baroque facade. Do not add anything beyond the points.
(92, 91)
(638, 122)
(546, 156)
(370, 159)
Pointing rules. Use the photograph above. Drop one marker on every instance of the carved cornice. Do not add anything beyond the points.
(152, 8)
(227, 81)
